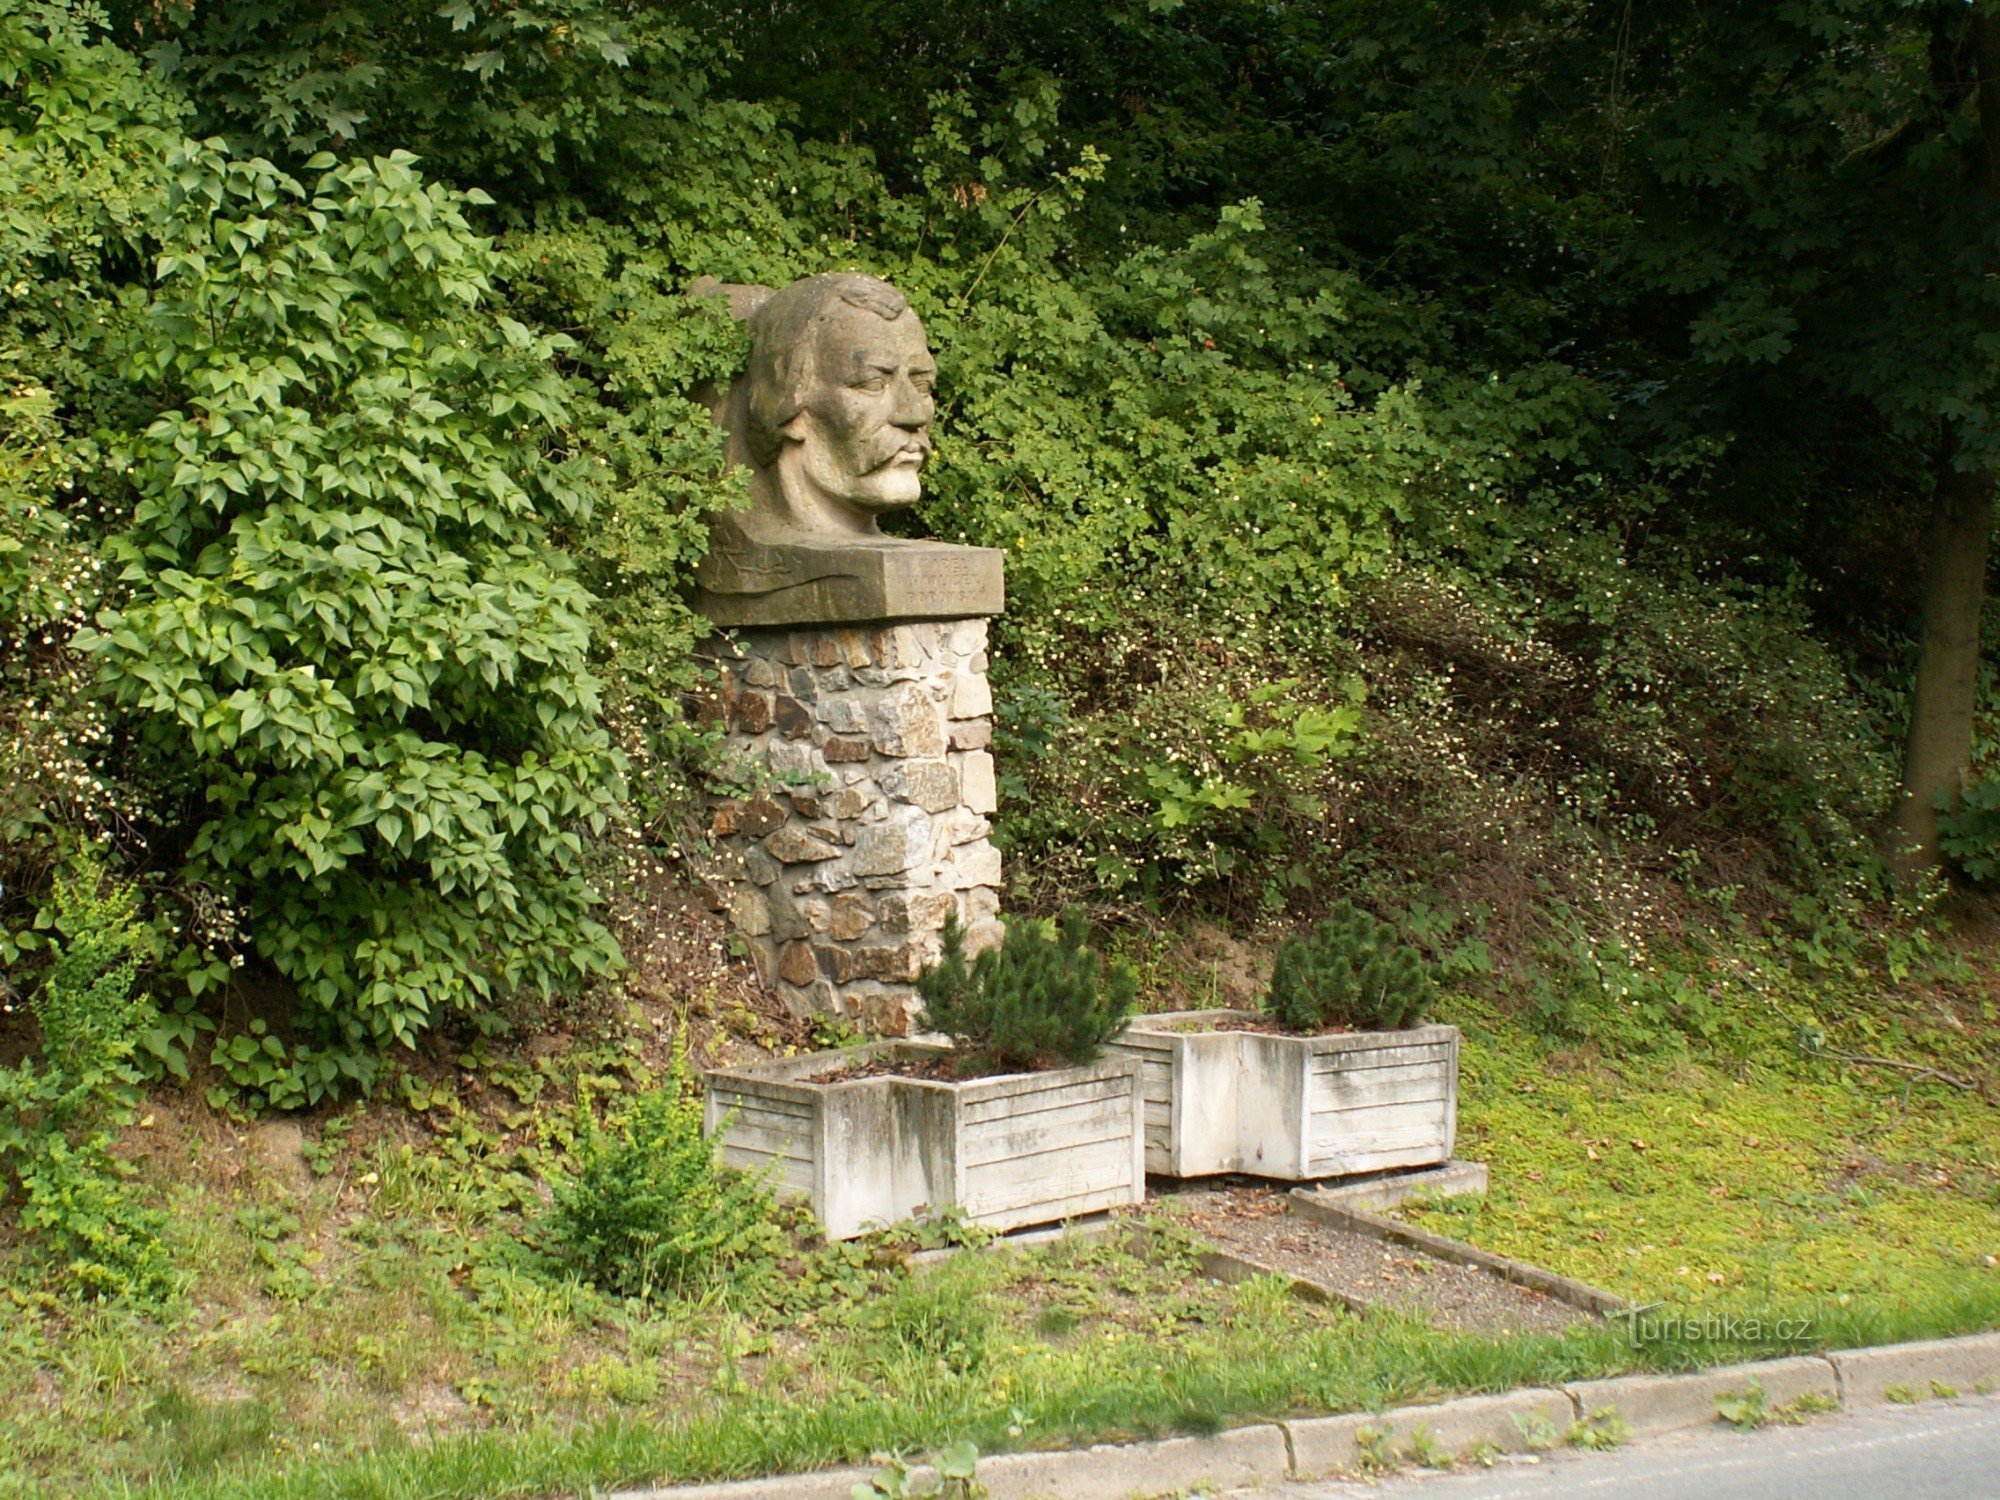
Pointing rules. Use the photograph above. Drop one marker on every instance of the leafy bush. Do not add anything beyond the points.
(346, 633)
(1969, 831)
(648, 1207)
(84, 136)
(1032, 1001)
(98, 1239)
(1351, 973)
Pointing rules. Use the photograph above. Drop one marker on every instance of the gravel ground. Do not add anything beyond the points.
(1252, 1222)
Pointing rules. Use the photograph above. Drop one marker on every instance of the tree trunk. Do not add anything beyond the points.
(1938, 749)
(1939, 744)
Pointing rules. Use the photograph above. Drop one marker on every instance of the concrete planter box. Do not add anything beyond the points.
(1291, 1107)
(1017, 1149)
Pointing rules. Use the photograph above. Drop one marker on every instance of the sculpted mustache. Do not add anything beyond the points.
(902, 444)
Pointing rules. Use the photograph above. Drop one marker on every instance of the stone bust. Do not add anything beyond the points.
(839, 398)
(833, 420)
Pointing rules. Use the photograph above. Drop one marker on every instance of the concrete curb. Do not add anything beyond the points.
(827, 1484)
(1242, 1456)
(1962, 1366)
(1655, 1404)
(1512, 1423)
(1451, 1179)
(1313, 1447)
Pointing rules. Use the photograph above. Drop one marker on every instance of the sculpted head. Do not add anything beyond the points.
(838, 398)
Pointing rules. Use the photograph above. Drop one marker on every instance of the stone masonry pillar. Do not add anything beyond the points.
(876, 742)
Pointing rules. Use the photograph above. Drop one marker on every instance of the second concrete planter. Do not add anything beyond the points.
(1291, 1107)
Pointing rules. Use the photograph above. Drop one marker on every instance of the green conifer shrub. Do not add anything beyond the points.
(1034, 1001)
(649, 1207)
(1350, 972)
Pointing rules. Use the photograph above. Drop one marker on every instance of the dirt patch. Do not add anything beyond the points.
(1261, 1025)
(929, 1067)
(1220, 968)
(1255, 1224)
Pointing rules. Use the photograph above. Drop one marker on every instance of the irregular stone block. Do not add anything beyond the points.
(831, 876)
(796, 964)
(975, 864)
(792, 718)
(760, 673)
(930, 784)
(906, 722)
(762, 814)
(898, 843)
(840, 749)
(853, 647)
(849, 803)
(900, 964)
(971, 734)
(793, 845)
(971, 696)
(975, 774)
(753, 713)
(748, 910)
(788, 918)
(910, 911)
(795, 760)
(850, 917)
(960, 827)
(843, 716)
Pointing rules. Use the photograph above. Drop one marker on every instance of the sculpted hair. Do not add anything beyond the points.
(781, 350)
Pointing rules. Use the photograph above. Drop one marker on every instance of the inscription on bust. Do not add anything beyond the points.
(833, 420)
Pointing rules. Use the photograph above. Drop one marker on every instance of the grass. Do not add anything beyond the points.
(1742, 1174)
(371, 1318)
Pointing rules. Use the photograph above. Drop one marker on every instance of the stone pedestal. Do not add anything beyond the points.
(877, 741)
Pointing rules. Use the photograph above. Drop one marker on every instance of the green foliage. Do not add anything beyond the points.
(99, 1240)
(1969, 830)
(1350, 973)
(1031, 1001)
(1247, 318)
(344, 628)
(931, 1323)
(648, 1209)
(957, 1465)
(84, 137)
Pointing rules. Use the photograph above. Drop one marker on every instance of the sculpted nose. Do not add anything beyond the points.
(914, 406)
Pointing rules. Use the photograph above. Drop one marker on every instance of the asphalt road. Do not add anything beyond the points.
(1940, 1450)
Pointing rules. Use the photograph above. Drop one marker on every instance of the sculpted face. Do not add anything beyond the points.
(862, 434)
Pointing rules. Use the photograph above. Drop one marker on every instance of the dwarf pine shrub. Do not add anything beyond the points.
(1351, 972)
(649, 1207)
(1034, 1001)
